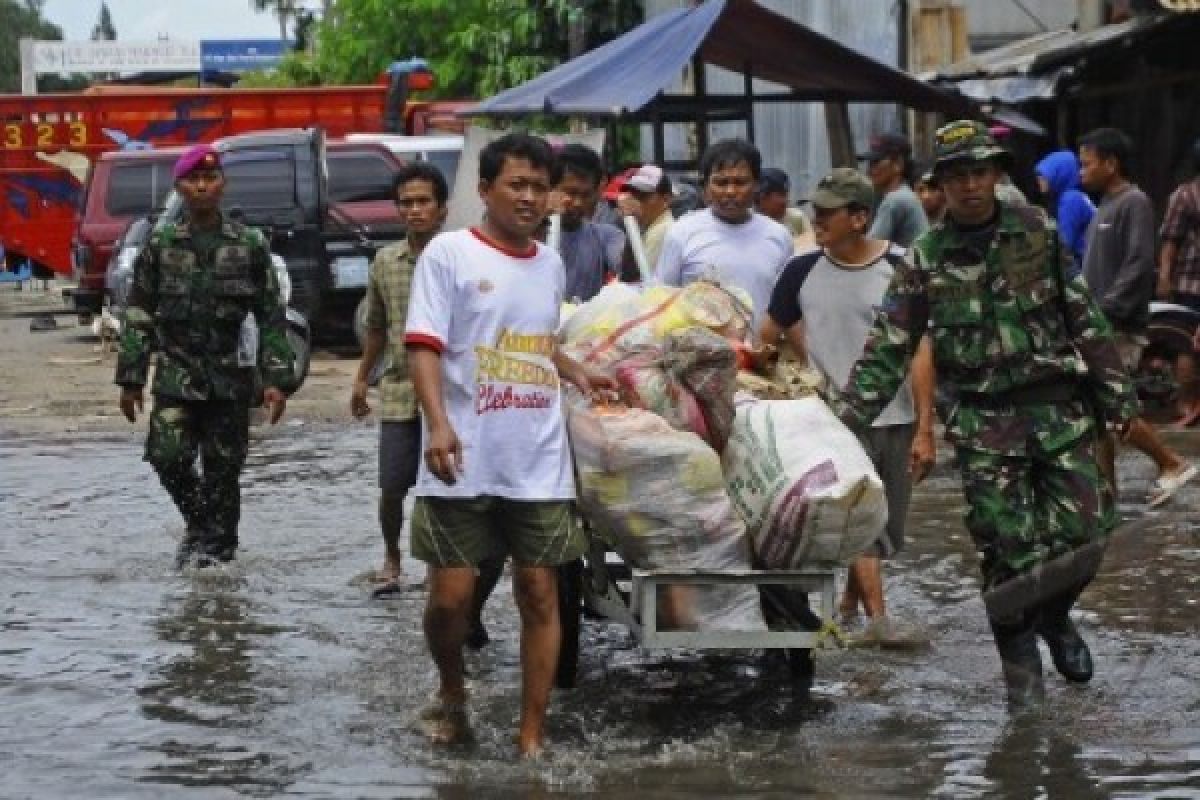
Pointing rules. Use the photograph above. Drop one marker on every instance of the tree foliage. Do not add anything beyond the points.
(295, 69)
(476, 47)
(104, 30)
(19, 20)
(284, 11)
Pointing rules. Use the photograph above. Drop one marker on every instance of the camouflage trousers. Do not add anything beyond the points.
(217, 431)
(1032, 483)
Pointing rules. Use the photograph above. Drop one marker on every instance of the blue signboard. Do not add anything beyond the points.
(238, 55)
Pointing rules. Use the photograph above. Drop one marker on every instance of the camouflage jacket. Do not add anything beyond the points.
(190, 298)
(1016, 316)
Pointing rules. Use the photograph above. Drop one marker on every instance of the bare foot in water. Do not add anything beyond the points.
(389, 572)
(444, 721)
(530, 747)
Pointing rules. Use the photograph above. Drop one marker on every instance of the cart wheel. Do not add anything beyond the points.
(802, 669)
(570, 613)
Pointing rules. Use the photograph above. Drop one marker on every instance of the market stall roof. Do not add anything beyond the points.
(1035, 68)
(629, 73)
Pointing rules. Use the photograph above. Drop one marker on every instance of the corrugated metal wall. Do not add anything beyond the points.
(792, 136)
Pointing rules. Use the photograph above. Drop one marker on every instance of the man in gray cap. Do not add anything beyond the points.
(825, 304)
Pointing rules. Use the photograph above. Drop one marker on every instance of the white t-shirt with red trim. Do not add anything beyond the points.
(492, 314)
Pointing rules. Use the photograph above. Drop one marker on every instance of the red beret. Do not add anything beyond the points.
(202, 156)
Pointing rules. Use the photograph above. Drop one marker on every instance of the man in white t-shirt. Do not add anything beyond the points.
(825, 303)
(496, 476)
(728, 241)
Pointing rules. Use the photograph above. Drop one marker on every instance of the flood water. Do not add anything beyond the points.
(278, 676)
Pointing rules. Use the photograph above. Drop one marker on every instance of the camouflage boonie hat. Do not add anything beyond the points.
(842, 187)
(966, 140)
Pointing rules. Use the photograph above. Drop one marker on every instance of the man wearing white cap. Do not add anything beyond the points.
(646, 196)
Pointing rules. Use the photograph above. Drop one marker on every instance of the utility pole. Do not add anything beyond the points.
(28, 68)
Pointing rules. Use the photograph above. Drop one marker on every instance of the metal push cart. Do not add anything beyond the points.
(604, 586)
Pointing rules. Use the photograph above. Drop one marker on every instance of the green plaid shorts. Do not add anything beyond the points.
(463, 531)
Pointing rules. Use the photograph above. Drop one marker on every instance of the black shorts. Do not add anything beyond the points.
(399, 454)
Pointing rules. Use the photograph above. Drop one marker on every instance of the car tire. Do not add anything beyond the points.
(302, 350)
(360, 323)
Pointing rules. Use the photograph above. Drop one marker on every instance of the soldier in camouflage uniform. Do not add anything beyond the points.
(1032, 360)
(195, 285)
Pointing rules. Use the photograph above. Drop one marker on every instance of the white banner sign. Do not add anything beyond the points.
(168, 56)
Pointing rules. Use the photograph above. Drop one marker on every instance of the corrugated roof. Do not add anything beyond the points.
(1035, 68)
(1046, 51)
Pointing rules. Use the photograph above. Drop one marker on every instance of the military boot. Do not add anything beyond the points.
(216, 547)
(187, 548)
(1070, 652)
(1021, 663)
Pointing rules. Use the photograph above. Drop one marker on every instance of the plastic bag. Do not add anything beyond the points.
(705, 365)
(658, 494)
(801, 481)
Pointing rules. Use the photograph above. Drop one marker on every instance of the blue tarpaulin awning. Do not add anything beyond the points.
(627, 74)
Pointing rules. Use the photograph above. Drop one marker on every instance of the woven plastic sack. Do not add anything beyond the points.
(806, 489)
(658, 496)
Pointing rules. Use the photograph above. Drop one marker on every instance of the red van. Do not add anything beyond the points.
(121, 186)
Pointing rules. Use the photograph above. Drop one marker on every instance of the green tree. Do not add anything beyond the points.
(476, 47)
(284, 11)
(104, 31)
(19, 21)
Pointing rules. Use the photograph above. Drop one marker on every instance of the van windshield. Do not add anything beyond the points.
(356, 177)
(263, 179)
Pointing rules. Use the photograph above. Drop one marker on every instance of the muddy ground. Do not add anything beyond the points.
(62, 379)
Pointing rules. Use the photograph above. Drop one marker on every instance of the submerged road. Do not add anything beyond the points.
(278, 676)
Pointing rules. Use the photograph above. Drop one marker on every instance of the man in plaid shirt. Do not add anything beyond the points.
(420, 193)
(1179, 278)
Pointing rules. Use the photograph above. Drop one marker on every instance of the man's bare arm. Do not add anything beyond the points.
(443, 450)
(372, 349)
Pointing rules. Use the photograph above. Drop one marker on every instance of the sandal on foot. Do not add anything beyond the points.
(1167, 485)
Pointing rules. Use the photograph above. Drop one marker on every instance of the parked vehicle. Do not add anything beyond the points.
(121, 187)
(119, 282)
(443, 150)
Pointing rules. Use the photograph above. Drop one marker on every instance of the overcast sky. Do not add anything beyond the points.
(141, 20)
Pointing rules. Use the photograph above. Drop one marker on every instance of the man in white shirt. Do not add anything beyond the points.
(496, 476)
(728, 241)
